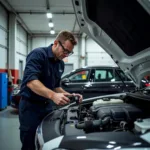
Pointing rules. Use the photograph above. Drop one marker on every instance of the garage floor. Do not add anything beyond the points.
(9, 130)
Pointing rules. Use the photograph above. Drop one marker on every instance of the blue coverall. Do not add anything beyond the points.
(40, 65)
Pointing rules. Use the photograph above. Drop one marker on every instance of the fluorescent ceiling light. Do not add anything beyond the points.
(49, 15)
(51, 24)
(52, 32)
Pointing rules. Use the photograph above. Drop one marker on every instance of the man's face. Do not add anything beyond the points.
(62, 49)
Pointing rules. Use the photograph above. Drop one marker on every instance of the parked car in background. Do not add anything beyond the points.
(91, 81)
(16, 97)
(97, 80)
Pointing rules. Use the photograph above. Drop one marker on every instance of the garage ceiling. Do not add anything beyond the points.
(32, 15)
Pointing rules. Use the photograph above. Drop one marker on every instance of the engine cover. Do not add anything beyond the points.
(117, 112)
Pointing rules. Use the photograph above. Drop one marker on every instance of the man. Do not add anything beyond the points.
(41, 85)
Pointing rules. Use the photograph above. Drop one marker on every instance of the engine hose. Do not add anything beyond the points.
(105, 121)
(93, 123)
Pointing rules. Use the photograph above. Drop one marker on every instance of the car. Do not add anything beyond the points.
(15, 97)
(114, 121)
(93, 81)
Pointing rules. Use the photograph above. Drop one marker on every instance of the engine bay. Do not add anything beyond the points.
(103, 115)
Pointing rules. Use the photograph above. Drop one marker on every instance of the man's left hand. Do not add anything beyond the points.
(79, 95)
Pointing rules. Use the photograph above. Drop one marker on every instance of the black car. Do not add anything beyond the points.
(117, 121)
(97, 80)
(91, 81)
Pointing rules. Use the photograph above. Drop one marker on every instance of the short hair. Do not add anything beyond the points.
(66, 35)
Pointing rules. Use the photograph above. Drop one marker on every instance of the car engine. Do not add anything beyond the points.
(105, 115)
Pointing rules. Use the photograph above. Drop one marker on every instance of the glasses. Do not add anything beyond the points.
(65, 51)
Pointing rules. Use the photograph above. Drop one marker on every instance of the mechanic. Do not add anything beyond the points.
(40, 88)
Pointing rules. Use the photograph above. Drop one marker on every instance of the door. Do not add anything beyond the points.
(4, 38)
(103, 83)
(74, 82)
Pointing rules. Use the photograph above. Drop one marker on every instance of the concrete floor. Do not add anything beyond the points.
(9, 130)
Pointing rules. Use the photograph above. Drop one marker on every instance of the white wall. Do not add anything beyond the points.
(3, 37)
(41, 41)
(96, 55)
(22, 43)
(74, 59)
(3, 59)
(45, 41)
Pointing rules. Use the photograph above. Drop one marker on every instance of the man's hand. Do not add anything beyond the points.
(79, 95)
(60, 98)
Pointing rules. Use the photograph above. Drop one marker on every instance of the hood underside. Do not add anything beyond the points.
(122, 29)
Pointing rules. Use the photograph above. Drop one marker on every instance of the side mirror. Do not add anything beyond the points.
(65, 80)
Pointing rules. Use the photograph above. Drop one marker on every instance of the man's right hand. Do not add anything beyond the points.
(60, 99)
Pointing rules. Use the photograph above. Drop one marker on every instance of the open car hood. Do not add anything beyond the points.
(122, 29)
